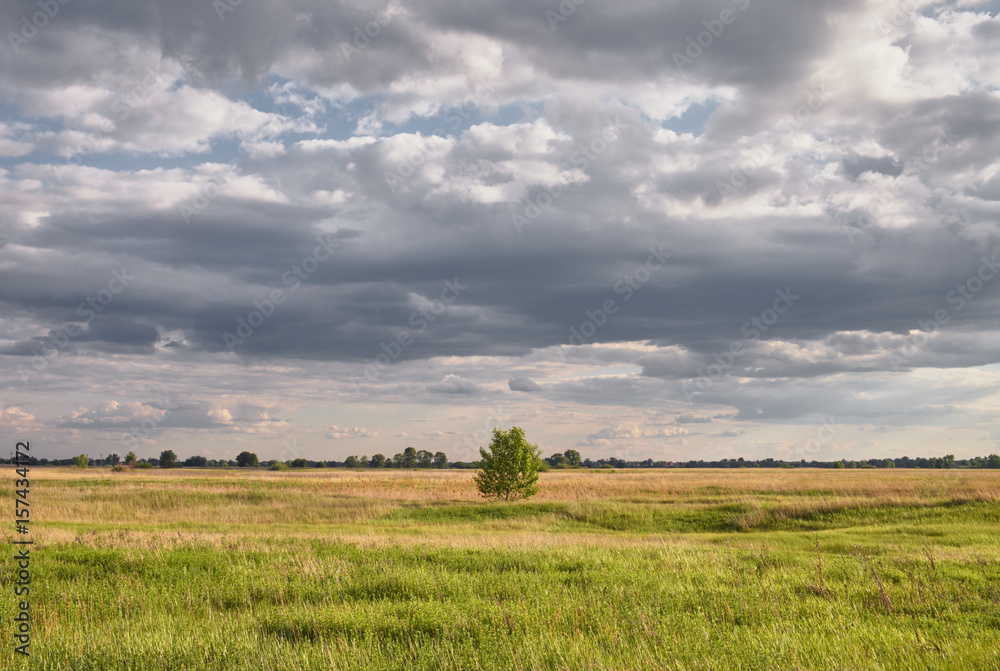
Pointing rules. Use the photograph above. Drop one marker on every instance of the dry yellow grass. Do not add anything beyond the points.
(216, 504)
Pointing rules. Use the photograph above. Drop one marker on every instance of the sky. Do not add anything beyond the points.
(667, 230)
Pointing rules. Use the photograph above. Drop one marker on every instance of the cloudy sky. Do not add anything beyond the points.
(677, 230)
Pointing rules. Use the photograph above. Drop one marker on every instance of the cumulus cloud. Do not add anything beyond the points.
(454, 384)
(15, 417)
(335, 432)
(692, 419)
(523, 384)
(613, 435)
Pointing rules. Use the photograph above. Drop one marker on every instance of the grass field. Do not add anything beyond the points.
(693, 569)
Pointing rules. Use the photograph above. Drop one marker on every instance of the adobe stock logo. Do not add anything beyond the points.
(293, 279)
(88, 311)
(751, 330)
(626, 287)
(714, 28)
(421, 320)
(38, 21)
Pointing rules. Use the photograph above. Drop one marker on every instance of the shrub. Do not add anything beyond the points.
(117, 469)
(509, 469)
(278, 466)
(143, 465)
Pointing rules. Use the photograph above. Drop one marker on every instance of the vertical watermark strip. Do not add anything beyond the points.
(22, 556)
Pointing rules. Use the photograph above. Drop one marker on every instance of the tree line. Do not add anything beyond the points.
(414, 458)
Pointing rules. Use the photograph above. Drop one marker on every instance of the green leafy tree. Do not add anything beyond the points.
(378, 461)
(247, 459)
(509, 468)
(352, 462)
(409, 458)
(113, 459)
(168, 459)
(558, 460)
(573, 457)
(440, 460)
(130, 458)
(425, 459)
(82, 461)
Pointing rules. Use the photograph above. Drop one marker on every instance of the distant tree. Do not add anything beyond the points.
(993, 461)
(378, 461)
(558, 460)
(278, 466)
(113, 459)
(425, 459)
(130, 458)
(168, 459)
(440, 460)
(410, 457)
(352, 462)
(509, 468)
(299, 463)
(196, 461)
(889, 463)
(839, 464)
(82, 461)
(573, 457)
(247, 459)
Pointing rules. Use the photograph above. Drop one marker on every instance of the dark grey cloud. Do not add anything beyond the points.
(523, 384)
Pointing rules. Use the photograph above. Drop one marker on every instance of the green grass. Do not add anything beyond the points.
(704, 582)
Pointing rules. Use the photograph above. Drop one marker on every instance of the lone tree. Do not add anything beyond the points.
(509, 469)
(82, 461)
(168, 459)
(130, 458)
(247, 459)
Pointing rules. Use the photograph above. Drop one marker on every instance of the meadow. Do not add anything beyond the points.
(628, 570)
